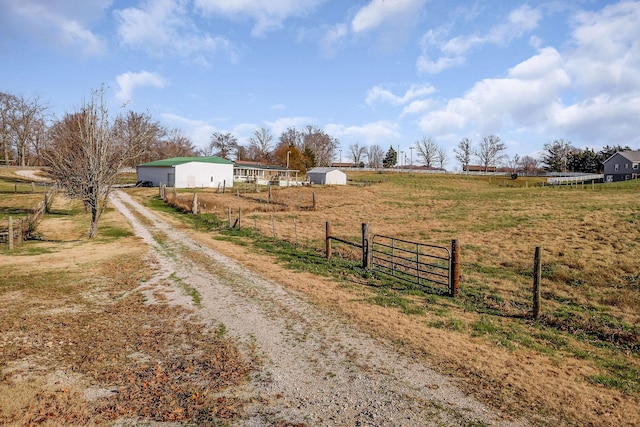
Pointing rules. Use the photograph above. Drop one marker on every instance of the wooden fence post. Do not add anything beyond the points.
(273, 228)
(10, 236)
(19, 237)
(365, 245)
(239, 216)
(537, 277)
(328, 239)
(194, 204)
(454, 269)
(229, 215)
(313, 200)
(269, 195)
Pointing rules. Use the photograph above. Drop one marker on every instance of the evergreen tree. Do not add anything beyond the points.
(390, 159)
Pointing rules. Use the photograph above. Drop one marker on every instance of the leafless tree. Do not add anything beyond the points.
(530, 165)
(291, 138)
(489, 150)
(176, 144)
(463, 152)
(20, 121)
(427, 150)
(442, 157)
(375, 155)
(260, 146)
(7, 105)
(320, 143)
(513, 163)
(85, 156)
(358, 153)
(39, 140)
(223, 144)
(141, 135)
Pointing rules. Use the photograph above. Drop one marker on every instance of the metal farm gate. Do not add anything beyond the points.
(415, 262)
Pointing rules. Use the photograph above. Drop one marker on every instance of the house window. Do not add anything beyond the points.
(616, 167)
(626, 165)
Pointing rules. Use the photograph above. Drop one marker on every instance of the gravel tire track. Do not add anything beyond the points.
(313, 368)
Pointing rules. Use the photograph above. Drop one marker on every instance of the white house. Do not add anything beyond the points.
(327, 176)
(188, 172)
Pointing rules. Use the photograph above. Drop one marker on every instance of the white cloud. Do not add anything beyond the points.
(164, 27)
(66, 25)
(370, 133)
(528, 95)
(604, 61)
(380, 12)
(332, 39)
(417, 107)
(440, 53)
(268, 14)
(199, 131)
(129, 81)
(277, 107)
(377, 93)
(282, 124)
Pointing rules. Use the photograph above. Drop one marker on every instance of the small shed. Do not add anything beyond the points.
(187, 172)
(327, 176)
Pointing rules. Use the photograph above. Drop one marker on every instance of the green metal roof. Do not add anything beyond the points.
(174, 161)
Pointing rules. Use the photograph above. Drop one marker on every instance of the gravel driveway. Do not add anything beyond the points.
(312, 368)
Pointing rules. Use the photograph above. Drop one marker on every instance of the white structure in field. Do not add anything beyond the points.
(327, 176)
(188, 172)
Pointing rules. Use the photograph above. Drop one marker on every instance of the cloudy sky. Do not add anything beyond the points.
(385, 72)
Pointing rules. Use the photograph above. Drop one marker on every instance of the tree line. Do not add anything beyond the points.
(557, 156)
(27, 132)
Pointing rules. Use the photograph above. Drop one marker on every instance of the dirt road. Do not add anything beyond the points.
(312, 368)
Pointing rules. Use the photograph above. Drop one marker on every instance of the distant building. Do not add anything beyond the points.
(327, 176)
(258, 173)
(479, 168)
(622, 166)
(187, 172)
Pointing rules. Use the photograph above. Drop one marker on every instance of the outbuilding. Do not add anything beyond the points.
(187, 172)
(327, 176)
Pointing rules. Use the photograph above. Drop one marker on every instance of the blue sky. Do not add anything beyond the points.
(385, 72)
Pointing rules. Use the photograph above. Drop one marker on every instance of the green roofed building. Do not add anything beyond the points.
(187, 172)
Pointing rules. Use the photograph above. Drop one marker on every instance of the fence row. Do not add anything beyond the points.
(17, 231)
(414, 262)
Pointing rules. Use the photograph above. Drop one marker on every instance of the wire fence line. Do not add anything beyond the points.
(19, 230)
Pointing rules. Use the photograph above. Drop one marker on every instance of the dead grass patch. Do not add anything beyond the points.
(79, 345)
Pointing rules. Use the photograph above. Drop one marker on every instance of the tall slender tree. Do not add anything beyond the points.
(358, 153)
(489, 151)
(260, 146)
(375, 156)
(427, 150)
(84, 156)
(463, 152)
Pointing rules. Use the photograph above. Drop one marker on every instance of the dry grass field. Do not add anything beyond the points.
(577, 364)
(81, 345)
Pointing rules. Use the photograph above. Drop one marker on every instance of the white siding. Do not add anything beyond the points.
(199, 174)
(188, 175)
